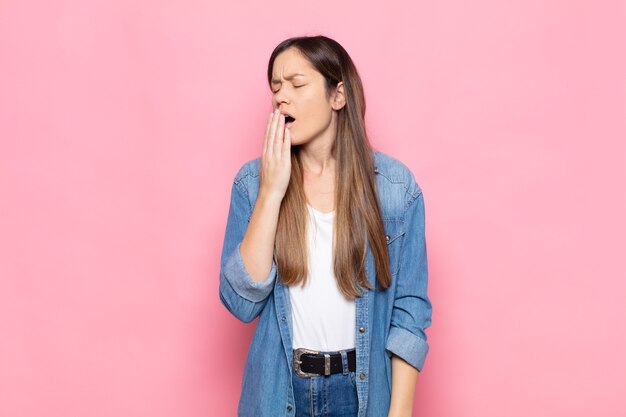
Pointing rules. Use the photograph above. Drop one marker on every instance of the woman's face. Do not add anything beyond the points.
(298, 89)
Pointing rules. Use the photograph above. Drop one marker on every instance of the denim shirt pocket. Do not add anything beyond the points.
(394, 231)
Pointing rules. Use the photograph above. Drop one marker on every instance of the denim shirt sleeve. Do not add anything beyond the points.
(412, 309)
(239, 293)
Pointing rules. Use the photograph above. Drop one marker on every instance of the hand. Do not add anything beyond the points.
(276, 158)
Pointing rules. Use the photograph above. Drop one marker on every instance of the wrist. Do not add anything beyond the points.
(268, 198)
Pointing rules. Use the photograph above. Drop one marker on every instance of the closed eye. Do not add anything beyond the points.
(295, 86)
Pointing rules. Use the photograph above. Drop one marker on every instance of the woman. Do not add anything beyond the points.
(325, 243)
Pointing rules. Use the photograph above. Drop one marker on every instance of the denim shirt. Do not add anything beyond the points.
(389, 321)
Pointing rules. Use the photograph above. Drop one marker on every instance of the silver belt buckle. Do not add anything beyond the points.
(296, 362)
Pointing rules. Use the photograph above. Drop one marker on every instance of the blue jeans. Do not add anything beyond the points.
(326, 396)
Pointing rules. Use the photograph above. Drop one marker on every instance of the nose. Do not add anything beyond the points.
(279, 98)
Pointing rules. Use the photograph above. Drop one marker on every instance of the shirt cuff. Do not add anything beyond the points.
(236, 274)
(409, 347)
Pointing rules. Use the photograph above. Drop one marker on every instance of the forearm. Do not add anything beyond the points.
(257, 246)
(403, 383)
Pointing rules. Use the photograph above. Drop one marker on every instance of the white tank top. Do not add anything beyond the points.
(322, 318)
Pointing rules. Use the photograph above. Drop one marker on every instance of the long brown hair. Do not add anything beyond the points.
(358, 218)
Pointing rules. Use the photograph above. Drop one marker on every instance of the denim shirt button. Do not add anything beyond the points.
(387, 237)
(362, 376)
(289, 407)
(362, 329)
(283, 318)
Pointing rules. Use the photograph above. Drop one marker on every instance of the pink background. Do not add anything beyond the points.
(122, 124)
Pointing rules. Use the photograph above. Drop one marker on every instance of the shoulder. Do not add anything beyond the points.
(392, 170)
(250, 168)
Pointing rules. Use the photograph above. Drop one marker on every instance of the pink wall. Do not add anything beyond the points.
(123, 123)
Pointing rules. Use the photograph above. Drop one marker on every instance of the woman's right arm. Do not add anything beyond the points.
(248, 268)
(257, 247)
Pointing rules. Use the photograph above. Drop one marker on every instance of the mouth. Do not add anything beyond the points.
(289, 121)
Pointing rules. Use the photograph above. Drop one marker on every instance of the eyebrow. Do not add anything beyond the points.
(289, 77)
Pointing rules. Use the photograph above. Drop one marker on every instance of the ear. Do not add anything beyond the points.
(338, 99)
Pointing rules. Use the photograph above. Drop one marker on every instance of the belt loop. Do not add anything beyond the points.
(344, 361)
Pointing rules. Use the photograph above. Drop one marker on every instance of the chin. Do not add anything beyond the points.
(298, 142)
(299, 138)
(295, 140)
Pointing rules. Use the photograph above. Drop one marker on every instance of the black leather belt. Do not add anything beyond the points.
(309, 363)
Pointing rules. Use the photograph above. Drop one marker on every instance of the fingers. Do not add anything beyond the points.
(267, 132)
(270, 137)
(274, 132)
(273, 129)
(286, 149)
(278, 137)
(276, 160)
